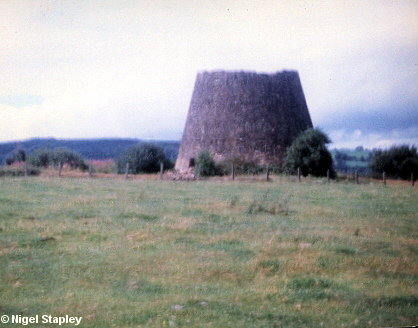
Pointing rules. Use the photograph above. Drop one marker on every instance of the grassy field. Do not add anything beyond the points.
(148, 253)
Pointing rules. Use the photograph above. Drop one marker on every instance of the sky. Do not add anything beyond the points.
(102, 69)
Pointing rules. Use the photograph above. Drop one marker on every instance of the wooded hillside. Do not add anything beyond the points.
(89, 148)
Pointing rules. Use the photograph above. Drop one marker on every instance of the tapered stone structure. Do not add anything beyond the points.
(243, 115)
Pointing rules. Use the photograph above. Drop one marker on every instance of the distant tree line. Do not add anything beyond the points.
(141, 158)
(43, 158)
(109, 148)
(349, 160)
(52, 157)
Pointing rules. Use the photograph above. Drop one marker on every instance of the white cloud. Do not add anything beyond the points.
(349, 139)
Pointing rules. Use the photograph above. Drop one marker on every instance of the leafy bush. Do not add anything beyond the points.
(142, 158)
(205, 165)
(240, 167)
(309, 152)
(396, 162)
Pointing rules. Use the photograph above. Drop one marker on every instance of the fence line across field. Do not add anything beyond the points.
(267, 175)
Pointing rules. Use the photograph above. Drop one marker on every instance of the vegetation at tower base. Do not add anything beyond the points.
(243, 115)
(142, 158)
(242, 167)
(205, 165)
(396, 162)
(309, 153)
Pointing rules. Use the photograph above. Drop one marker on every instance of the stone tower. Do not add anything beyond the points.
(245, 115)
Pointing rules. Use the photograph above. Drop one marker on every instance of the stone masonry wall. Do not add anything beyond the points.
(245, 115)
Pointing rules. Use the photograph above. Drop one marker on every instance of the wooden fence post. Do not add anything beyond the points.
(384, 178)
(161, 170)
(90, 169)
(412, 179)
(126, 170)
(298, 174)
(328, 175)
(59, 169)
(356, 177)
(233, 172)
(26, 169)
(198, 172)
(268, 173)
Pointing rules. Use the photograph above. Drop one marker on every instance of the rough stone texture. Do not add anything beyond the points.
(245, 115)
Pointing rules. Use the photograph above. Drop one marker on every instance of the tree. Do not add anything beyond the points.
(69, 157)
(40, 157)
(396, 162)
(142, 158)
(205, 165)
(18, 155)
(9, 160)
(309, 152)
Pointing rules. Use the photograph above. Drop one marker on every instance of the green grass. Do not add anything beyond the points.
(153, 253)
